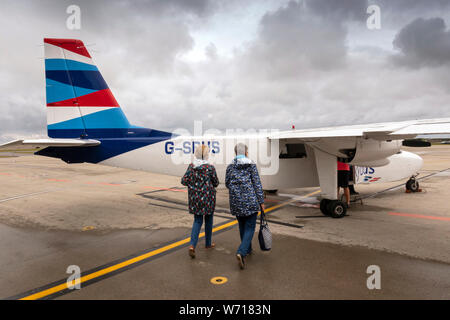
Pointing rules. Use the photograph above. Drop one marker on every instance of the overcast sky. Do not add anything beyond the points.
(237, 64)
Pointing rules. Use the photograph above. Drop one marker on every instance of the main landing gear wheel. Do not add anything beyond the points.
(412, 185)
(333, 208)
(323, 206)
(337, 209)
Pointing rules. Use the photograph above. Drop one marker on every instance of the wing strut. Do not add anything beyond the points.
(327, 172)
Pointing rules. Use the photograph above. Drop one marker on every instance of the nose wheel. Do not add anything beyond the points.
(333, 208)
(412, 185)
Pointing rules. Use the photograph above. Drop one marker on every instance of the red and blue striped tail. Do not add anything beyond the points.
(81, 105)
(79, 102)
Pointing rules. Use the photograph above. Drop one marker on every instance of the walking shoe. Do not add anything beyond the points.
(212, 246)
(192, 252)
(241, 261)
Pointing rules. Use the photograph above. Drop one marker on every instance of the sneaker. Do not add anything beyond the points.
(240, 260)
(212, 246)
(192, 252)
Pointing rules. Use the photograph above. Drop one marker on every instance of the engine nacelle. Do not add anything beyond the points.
(375, 163)
(360, 151)
(374, 153)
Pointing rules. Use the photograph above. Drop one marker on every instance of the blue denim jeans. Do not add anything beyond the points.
(198, 221)
(246, 230)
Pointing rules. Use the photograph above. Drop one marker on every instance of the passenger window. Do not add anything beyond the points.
(293, 150)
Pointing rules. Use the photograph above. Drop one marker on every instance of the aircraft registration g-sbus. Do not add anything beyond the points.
(86, 124)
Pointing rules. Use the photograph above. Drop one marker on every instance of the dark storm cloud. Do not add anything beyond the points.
(294, 38)
(342, 10)
(412, 6)
(196, 7)
(133, 38)
(396, 14)
(157, 30)
(102, 8)
(299, 67)
(299, 70)
(423, 42)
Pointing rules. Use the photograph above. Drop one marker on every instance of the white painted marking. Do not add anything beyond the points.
(25, 195)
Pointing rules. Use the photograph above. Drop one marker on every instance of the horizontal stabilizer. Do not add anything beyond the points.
(30, 146)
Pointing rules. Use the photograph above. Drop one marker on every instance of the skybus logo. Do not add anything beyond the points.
(365, 174)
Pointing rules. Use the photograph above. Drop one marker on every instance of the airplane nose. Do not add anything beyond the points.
(415, 162)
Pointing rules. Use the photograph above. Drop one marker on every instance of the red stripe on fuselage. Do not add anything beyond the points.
(101, 98)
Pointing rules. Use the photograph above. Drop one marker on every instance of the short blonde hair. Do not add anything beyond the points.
(202, 152)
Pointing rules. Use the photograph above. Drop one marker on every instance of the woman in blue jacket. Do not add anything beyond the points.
(246, 198)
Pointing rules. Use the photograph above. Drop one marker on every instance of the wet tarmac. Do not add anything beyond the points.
(54, 215)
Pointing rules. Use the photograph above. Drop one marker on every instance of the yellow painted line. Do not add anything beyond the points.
(313, 193)
(134, 260)
(102, 272)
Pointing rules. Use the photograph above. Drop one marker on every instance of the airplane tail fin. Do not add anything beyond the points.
(79, 102)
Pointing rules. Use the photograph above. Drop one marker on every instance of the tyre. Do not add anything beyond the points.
(412, 185)
(323, 206)
(337, 209)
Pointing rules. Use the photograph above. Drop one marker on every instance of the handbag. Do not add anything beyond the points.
(264, 235)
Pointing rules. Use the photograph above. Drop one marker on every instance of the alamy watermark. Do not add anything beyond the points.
(374, 280)
(74, 280)
(373, 22)
(263, 149)
(73, 22)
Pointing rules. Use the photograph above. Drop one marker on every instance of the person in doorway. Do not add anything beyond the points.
(343, 178)
(351, 183)
(246, 198)
(201, 180)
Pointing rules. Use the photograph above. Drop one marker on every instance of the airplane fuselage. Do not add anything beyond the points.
(281, 165)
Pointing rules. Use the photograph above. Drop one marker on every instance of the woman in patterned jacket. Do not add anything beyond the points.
(201, 180)
(246, 198)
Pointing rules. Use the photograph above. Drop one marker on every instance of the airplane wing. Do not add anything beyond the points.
(377, 131)
(367, 145)
(30, 146)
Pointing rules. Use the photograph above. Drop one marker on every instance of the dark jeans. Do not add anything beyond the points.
(198, 221)
(246, 230)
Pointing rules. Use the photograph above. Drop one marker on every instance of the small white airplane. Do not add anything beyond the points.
(86, 124)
